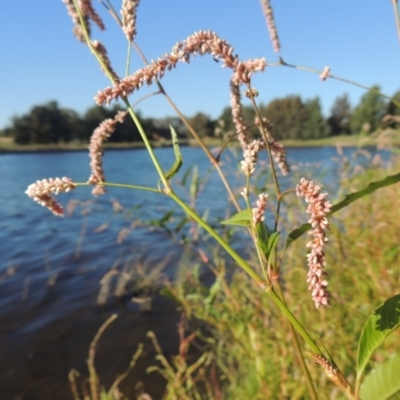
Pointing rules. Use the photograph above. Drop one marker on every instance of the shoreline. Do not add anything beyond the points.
(8, 147)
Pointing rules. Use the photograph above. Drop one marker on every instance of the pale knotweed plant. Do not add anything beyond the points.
(318, 207)
(259, 211)
(42, 192)
(202, 42)
(237, 117)
(101, 134)
(128, 14)
(102, 53)
(88, 13)
(278, 152)
(250, 155)
(269, 17)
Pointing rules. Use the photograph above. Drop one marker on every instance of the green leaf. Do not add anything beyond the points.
(348, 199)
(262, 237)
(178, 156)
(383, 382)
(242, 218)
(384, 320)
(272, 243)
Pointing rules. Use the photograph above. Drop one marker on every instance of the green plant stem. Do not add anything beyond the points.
(396, 16)
(264, 135)
(123, 185)
(239, 260)
(125, 100)
(300, 355)
(253, 274)
(204, 147)
(296, 324)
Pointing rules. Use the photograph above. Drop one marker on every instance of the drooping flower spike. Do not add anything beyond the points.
(318, 207)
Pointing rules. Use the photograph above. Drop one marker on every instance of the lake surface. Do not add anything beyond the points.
(52, 267)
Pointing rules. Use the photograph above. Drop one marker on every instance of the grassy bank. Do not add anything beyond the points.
(7, 144)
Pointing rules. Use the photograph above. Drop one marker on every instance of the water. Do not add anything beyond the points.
(52, 267)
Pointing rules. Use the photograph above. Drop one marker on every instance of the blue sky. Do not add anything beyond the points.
(41, 60)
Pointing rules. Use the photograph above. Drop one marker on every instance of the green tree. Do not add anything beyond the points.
(339, 120)
(315, 126)
(44, 124)
(288, 117)
(368, 114)
(202, 124)
(393, 109)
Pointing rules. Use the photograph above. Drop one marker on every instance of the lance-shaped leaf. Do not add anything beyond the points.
(350, 198)
(178, 156)
(383, 382)
(242, 218)
(384, 320)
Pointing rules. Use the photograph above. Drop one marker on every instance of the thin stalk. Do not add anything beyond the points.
(148, 145)
(397, 17)
(123, 185)
(283, 63)
(296, 324)
(128, 58)
(264, 136)
(94, 387)
(253, 274)
(239, 260)
(130, 110)
(206, 150)
(300, 355)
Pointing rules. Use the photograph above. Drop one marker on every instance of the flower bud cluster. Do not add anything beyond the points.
(318, 207)
(42, 191)
(202, 42)
(250, 154)
(259, 211)
(100, 135)
(128, 14)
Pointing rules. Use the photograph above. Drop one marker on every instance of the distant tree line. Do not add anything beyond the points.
(291, 117)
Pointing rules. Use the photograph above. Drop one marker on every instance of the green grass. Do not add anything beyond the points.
(244, 335)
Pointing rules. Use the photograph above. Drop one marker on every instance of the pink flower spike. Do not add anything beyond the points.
(41, 192)
(318, 208)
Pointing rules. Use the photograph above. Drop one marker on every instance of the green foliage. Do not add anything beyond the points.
(288, 116)
(383, 321)
(350, 198)
(315, 126)
(394, 109)
(243, 332)
(203, 125)
(383, 381)
(368, 114)
(339, 120)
